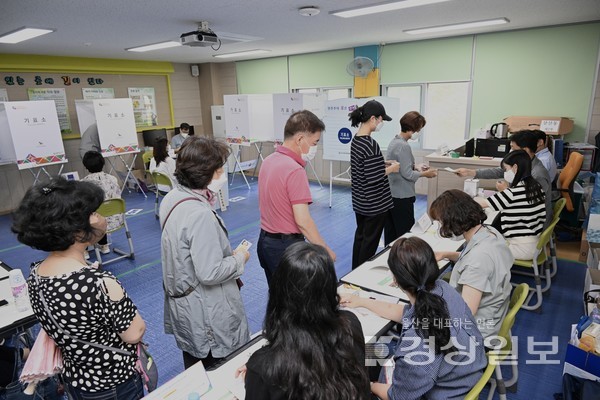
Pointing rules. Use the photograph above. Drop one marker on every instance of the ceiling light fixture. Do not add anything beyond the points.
(23, 34)
(309, 11)
(453, 27)
(241, 53)
(155, 46)
(382, 7)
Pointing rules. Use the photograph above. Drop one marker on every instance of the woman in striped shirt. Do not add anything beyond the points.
(521, 205)
(371, 196)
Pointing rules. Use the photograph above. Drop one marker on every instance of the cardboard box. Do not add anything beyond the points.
(550, 125)
(582, 364)
(592, 332)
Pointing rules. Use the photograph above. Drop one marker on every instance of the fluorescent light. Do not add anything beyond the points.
(382, 7)
(22, 34)
(466, 25)
(155, 46)
(241, 53)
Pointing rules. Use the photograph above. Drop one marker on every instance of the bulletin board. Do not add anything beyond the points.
(17, 84)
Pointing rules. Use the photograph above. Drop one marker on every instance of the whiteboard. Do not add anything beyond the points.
(30, 134)
(116, 126)
(339, 133)
(285, 104)
(248, 118)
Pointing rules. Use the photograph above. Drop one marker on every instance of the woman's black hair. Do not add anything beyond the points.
(53, 216)
(311, 350)
(159, 151)
(457, 212)
(533, 190)
(413, 264)
(93, 161)
(197, 161)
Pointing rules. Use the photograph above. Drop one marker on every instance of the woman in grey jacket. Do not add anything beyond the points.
(203, 306)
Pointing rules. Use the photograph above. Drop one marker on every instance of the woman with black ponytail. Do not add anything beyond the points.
(441, 353)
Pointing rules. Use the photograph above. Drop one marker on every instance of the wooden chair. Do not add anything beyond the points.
(159, 179)
(109, 208)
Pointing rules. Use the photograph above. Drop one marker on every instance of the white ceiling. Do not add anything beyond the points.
(104, 28)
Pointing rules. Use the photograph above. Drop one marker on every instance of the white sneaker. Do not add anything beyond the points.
(104, 249)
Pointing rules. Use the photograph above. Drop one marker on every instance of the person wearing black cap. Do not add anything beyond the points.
(371, 196)
(177, 140)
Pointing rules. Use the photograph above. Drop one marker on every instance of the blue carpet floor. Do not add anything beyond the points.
(142, 280)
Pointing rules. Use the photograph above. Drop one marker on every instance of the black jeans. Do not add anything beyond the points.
(131, 389)
(402, 219)
(208, 361)
(366, 238)
(270, 250)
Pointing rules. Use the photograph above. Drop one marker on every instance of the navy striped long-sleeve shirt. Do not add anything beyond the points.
(518, 217)
(370, 187)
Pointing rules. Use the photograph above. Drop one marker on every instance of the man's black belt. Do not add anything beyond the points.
(284, 236)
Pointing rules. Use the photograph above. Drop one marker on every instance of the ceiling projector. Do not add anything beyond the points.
(199, 38)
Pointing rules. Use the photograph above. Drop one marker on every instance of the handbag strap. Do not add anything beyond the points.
(66, 333)
(173, 208)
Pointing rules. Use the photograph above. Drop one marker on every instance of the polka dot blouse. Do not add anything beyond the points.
(79, 302)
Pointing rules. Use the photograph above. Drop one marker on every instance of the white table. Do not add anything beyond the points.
(375, 275)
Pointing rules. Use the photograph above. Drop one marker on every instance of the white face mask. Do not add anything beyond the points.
(185, 135)
(509, 176)
(379, 126)
(415, 136)
(216, 184)
(312, 152)
(457, 238)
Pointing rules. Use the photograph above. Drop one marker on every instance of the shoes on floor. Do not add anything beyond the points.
(104, 249)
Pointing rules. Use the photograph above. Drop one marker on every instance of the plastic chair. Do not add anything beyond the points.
(564, 185)
(558, 207)
(485, 378)
(538, 265)
(496, 356)
(159, 179)
(108, 208)
(146, 157)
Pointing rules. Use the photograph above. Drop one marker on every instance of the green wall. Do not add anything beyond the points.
(327, 69)
(268, 75)
(427, 61)
(537, 72)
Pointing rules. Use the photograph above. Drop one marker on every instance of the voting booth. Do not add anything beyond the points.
(30, 136)
(116, 131)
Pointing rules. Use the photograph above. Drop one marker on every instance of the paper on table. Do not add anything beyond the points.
(371, 323)
(194, 379)
(450, 170)
(224, 376)
(3, 273)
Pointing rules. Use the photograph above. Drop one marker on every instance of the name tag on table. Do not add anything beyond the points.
(422, 225)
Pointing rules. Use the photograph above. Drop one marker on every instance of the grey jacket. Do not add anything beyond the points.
(196, 253)
(402, 184)
(539, 173)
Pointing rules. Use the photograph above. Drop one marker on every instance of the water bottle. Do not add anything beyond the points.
(18, 287)
(595, 314)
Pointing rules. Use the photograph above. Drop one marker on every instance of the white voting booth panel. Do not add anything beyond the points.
(218, 121)
(339, 132)
(116, 126)
(30, 134)
(249, 118)
(285, 104)
(86, 116)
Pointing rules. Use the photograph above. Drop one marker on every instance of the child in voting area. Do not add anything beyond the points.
(441, 353)
(315, 350)
(94, 163)
(481, 272)
(161, 162)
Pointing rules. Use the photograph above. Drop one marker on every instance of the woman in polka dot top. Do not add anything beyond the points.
(83, 303)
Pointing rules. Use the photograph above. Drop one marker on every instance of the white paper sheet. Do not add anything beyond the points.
(371, 323)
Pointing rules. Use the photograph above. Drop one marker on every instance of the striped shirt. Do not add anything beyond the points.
(370, 187)
(518, 218)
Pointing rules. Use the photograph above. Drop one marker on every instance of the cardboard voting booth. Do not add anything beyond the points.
(248, 118)
(30, 134)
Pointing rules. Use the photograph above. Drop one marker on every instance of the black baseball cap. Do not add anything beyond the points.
(375, 108)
